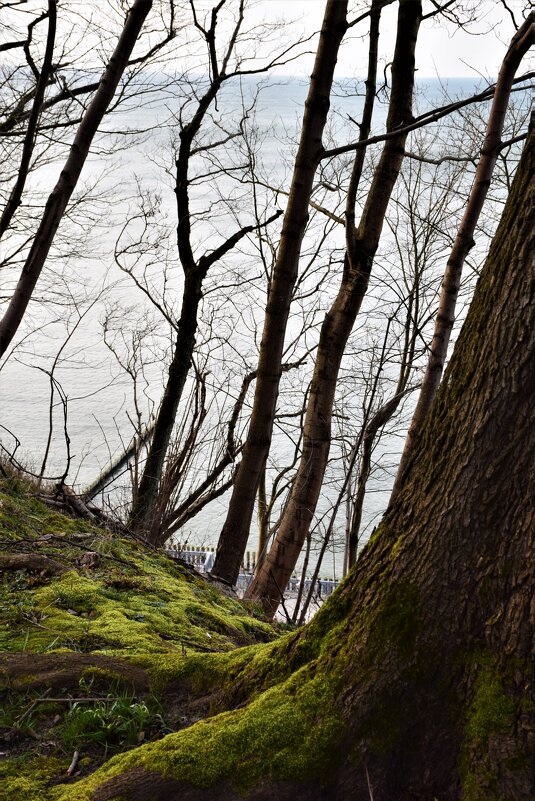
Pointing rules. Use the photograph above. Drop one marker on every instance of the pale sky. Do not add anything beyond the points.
(442, 50)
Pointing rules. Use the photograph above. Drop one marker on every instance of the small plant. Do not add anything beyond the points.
(23, 713)
(116, 721)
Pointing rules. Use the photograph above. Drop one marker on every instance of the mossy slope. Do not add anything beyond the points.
(117, 604)
(131, 601)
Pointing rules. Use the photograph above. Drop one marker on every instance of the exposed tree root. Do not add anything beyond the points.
(63, 671)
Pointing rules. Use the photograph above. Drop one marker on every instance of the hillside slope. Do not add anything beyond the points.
(104, 643)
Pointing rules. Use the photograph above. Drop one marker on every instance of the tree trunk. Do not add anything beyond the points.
(415, 680)
(380, 418)
(15, 195)
(337, 326)
(263, 518)
(61, 194)
(464, 241)
(235, 532)
(144, 505)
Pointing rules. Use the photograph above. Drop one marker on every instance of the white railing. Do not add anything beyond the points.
(203, 559)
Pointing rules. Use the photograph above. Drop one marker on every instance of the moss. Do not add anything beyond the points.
(29, 778)
(99, 679)
(491, 709)
(489, 715)
(133, 604)
(289, 732)
(395, 621)
(397, 545)
(148, 604)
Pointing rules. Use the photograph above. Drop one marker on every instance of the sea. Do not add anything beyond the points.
(69, 402)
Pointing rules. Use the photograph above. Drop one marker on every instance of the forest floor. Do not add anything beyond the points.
(104, 644)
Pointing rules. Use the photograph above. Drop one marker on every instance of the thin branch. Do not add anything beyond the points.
(423, 120)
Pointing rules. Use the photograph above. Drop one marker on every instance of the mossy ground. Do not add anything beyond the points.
(133, 604)
(132, 601)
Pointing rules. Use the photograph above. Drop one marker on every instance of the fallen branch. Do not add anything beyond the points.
(32, 561)
(73, 501)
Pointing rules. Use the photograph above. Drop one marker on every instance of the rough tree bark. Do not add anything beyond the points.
(464, 241)
(235, 532)
(415, 680)
(61, 194)
(362, 243)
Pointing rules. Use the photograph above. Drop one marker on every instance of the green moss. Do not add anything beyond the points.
(489, 715)
(491, 709)
(142, 607)
(395, 621)
(289, 732)
(148, 604)
(397, 545)
(29, 778)
(96, 678)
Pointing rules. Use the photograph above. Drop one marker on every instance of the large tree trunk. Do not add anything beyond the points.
(280, 563)
(61, 194)
(415, 680)
(235, 532)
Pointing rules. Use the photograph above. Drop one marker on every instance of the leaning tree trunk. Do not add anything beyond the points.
(15, 196)
(464, 241)
(415, 680)
(235, 532)
(271, 578)
(61, 194)
(144, 516)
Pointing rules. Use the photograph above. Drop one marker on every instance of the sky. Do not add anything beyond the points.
(442, 49)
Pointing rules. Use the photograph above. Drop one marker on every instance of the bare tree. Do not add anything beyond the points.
(361, 244)
(235, 530)
(225, 63)
(59, 198)
(520, 44)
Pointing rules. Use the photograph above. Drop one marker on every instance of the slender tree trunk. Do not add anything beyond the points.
(338, 325)
(61, 194)
(464, 241)
(415, 680)
(380, 418)
(263, 518)
(144, 505)
(144, 515)
(15, 196)
(235, 532)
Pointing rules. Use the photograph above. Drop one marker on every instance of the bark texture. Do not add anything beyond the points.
(362, 243)
(235, 532)
(31, 561)
(419, 670)
(63, 671)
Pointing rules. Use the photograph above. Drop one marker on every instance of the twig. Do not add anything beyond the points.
(28, 709)
(288, 618)
(370, 788)
(74, 764)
